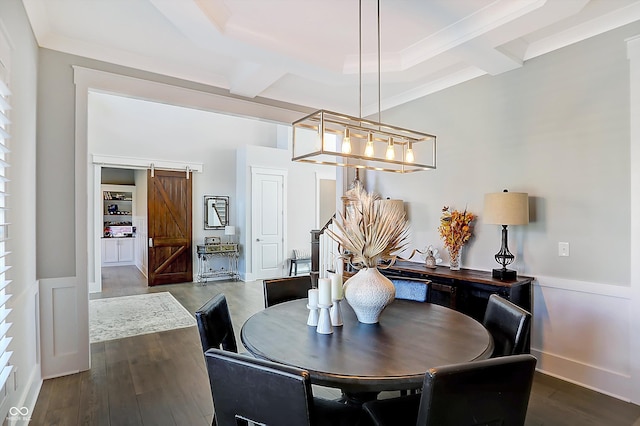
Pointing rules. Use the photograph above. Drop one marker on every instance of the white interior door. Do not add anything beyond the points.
(268, 219)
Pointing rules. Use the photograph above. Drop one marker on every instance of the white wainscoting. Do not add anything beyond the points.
(581, 333)
(64, 327)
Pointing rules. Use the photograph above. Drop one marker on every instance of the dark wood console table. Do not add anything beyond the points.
(466, 290)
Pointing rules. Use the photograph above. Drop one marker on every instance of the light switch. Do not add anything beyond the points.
(563, 249)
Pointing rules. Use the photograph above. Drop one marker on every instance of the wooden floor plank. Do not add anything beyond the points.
(65, 394)
(155, 408)
(94, 402)
(123, 406)
(161, 378)
(41, 410)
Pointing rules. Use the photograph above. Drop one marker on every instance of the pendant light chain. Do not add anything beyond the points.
(360, 60)
(379, 119)
(360, 54)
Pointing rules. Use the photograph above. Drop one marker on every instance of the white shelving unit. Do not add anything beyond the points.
(118, 242)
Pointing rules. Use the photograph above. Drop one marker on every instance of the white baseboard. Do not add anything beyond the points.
(589, 376)
(142, 269)
(30, 396)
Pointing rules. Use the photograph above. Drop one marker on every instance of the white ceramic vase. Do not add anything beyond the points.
(368, 292)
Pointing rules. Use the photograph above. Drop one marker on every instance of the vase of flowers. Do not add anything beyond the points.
(371, 232)
(455, 229)
(454, 259)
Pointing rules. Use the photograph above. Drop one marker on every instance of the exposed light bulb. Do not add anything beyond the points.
(368, 149)
(409, 156)
(391, 154)
(346, 142)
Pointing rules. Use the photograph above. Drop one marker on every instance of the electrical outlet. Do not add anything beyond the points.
(563, 249)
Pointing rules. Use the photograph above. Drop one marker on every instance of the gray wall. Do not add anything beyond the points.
(557, 128)
(55, 186)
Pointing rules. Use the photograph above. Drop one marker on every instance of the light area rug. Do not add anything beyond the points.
(126, 316)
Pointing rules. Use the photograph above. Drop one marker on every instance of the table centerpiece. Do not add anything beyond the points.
(369, 235)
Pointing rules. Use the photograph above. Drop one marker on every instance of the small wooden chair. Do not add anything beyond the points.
(302, 257)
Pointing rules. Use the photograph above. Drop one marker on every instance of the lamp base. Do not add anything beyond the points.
(504, 274)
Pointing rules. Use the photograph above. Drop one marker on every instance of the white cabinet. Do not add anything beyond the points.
(117, 251)
(125, 250)
(109, 250)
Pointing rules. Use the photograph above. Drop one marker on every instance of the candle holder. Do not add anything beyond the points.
(336, 313)
(313, 316)
(324, 320)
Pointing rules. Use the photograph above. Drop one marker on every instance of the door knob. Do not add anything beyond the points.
(258, 239)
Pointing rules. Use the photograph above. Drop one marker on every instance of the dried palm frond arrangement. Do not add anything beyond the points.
(371, 232)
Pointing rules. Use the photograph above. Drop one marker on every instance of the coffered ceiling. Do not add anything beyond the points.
(306, 52)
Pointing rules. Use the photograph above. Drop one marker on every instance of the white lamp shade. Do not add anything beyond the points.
(393, 204)
(229, 230)
(506, 208)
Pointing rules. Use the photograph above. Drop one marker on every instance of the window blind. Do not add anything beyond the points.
(5, 265)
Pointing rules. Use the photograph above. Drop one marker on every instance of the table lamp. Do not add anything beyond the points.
(230, 231)
(506, 208)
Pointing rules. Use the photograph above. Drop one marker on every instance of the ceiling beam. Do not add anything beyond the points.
(251, 79)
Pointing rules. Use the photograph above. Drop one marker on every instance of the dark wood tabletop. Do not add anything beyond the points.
(393, 354)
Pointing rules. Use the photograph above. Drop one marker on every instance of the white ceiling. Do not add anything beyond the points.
(306, 51)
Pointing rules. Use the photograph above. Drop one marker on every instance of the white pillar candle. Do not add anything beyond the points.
(313, 298)
(336, 286)
(324, 289)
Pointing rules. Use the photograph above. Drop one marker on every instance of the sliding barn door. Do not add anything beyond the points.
(169, 227)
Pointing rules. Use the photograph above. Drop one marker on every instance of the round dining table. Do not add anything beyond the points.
(358, 358)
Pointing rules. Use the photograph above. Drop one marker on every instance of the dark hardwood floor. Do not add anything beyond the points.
(160, 378)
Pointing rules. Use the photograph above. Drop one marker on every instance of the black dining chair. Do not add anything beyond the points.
(247, 389)
(214, 325)
(494, 391)
(215, 329)
(508, 324)
(279, 290)
(411, 288)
